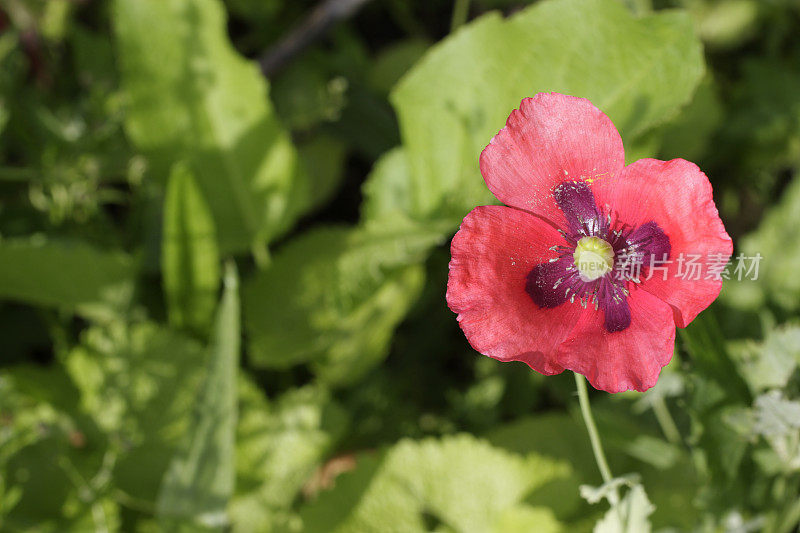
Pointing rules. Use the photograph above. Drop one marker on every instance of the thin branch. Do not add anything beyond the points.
(318, 22)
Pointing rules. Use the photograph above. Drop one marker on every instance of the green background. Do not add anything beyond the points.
(222, 293)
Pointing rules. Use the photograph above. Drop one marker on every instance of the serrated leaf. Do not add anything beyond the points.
(775, 415)
(608, 490)
(192, 96)
(71, 275)
(200, 479)
(770, 364)
(460, 482)
(628, 516)
(637, 70)
(334, 296)
(189, 255)
(278, 446)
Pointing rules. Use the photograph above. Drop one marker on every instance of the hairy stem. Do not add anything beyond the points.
(594, 437)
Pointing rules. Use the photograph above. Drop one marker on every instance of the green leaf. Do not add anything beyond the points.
(200, 479)
(388, 194)
(524, 518)
(139, 383)
(394, 61)
(47, 448)
(278, 447)
(189, 256)
(323, 158)
(306, 94)
(775, 415)
(637, 70)
(689, 135)
(70, 275)
(628, 516)
(334, 296)
(191, 96)
(563, 437)
(770, 364)
(460, 482)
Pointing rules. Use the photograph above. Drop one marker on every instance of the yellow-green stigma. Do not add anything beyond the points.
(594, 258)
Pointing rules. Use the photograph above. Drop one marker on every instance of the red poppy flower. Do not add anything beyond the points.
(549, 280)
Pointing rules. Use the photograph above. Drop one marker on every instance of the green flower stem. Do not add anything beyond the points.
(594, 437)
(460, 14)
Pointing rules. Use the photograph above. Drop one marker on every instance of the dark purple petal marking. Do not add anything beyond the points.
(649, 243)
(576, 200)
(617, 313)
(542, 283)
(553, 283)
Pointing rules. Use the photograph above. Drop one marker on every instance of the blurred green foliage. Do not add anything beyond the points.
(154, 186)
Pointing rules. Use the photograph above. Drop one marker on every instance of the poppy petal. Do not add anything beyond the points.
(630, 359)
(492, 255)
(551, 138)
(677, 196)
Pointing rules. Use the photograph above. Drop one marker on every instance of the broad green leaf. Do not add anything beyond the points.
(200, 479)
(460, 482)
(637, 70)
(388, 194)
(334, 296)
(394, 61)
(189, 255)
(524, 518)
(139, 383)
(70, 275)
(191, 96)
(278, 446)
